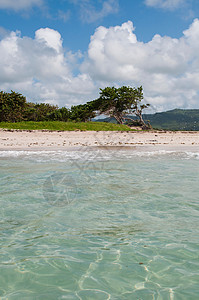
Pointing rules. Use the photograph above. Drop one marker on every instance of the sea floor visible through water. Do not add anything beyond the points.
(99, 224)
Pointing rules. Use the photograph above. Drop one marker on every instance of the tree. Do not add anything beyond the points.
(115, 102)
(82, 112)
(138, 107)
(61, 114)
(12, 106)
(39, 111)
(120, 102)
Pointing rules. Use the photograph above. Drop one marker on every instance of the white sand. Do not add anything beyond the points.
(38, 140)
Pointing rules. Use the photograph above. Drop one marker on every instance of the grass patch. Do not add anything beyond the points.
(65, 126)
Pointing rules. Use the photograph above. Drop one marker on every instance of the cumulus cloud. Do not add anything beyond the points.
(50, 37)
(41, 70)
(165, 4)
(19, 4)
(167, 68)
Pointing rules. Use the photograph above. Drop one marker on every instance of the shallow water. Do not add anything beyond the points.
(98, 224)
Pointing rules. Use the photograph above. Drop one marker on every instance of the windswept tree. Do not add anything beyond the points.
(114, 102)
(121, 102)
(138, 107)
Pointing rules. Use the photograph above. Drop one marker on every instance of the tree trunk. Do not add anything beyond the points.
(119, 119)
(139, 115)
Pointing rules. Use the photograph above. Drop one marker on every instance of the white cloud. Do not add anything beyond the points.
(19, 4)
(50, 37)
(41, 70)
(166, 67)
(165, 4)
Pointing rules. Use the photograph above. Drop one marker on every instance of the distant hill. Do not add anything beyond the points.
(176, 119)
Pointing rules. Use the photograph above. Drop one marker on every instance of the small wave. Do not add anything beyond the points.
(192, 155)
(97, 154)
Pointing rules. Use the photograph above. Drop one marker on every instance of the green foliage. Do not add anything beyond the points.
(12, 106)
(65, 126)
(118, 102)
(82, 113)
(61, 114)
(115, 102)
(38, 112)
(177, 119)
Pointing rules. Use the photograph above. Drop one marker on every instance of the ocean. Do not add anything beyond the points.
(99, 223)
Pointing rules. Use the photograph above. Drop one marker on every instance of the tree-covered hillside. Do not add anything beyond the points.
(177, 119)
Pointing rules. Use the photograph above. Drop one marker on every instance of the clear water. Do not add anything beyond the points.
(98, 224)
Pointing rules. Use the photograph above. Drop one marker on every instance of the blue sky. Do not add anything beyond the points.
(63, 51)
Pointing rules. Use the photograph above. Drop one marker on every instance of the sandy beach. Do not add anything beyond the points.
(38, 140)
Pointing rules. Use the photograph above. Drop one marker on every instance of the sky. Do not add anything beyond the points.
(62, 52)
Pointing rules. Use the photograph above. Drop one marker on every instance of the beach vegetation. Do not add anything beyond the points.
(121, 102)
(12, 106)
(61, 114)
(38, 112)
(114, 102)
(64, 126)
(82, 113)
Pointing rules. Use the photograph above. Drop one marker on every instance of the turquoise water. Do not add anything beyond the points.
(98, 224)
